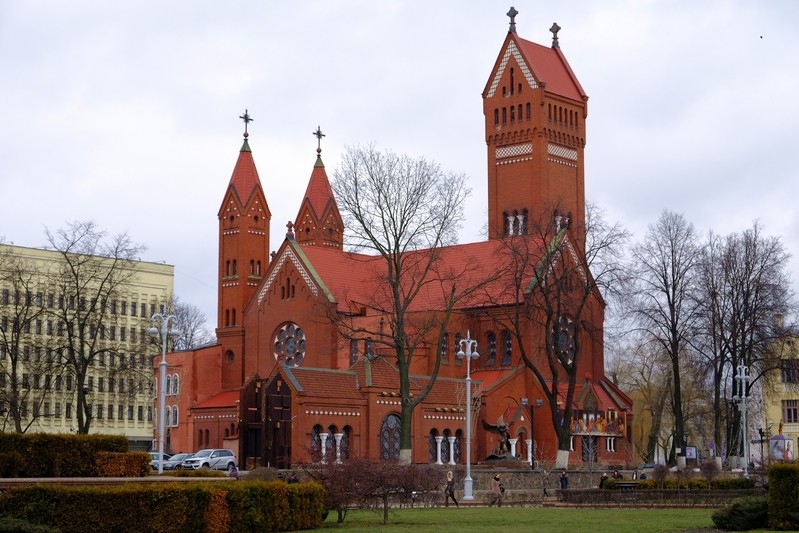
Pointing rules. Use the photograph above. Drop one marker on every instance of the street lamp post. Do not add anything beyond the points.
(742, 377)
(165, 333)
(468, 351)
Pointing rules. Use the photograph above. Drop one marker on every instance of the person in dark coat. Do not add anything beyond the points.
(449, 490)
(564, 480)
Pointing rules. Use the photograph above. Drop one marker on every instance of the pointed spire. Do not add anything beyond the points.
(318, 220)
(245, 176)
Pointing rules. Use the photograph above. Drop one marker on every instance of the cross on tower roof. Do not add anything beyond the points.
(512, 14)
(555, 29)
(318, 134)
(247, 119)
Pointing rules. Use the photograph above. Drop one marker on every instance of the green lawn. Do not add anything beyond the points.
(549, 520)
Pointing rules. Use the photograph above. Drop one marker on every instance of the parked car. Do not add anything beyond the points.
(154, 460)
(215, 458)
(176, 461)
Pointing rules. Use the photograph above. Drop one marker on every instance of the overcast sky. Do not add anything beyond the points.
(126, 113)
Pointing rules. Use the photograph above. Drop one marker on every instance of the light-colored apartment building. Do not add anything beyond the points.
(781, 401)
(43, 312)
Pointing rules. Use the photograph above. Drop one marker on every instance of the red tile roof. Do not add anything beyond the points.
(352, 279)
(549, 65)
(222, 399)
(325, 383)
(245, 176)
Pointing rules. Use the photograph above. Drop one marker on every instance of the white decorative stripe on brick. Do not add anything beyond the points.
(332, 413)
(561, 162)
(562, 151)
(514, 150)
(511, 50)
(288, 254)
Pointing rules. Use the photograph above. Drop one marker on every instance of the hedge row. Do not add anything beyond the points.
(54, 455)
(222, 507)
(783, 496)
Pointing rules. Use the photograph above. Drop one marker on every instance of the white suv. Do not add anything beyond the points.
(216, 458)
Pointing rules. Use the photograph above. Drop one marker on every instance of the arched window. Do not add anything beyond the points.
(175, 385)
(520, 112)
(233, 317)
(523, 221)
(512, 82)
(529, 111)
(345, 443)
(390, 438)
(496, 117)
(207, 438)
(258, 266)
(458, 440)
(492, 349)
(445, 349)
(512, 113)
(433, 453)
(504, 115)
(200, 439)
(316, 443)
(252, 267)
(235, 268)
(330, 444)
(507, 347)
(168, 386)
(445, 447)
(227, 317)
(168, 417)
(175, 419)
(233, 429)
(227, 268)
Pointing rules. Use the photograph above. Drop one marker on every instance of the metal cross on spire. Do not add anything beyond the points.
(247, 119)
(512, 14)
(318, 134)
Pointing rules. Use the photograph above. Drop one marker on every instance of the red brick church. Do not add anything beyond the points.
(285, 385)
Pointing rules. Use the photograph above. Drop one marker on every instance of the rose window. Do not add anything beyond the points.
(290, 345)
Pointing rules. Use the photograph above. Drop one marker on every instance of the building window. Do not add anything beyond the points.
(110, 411)
(507, 348)
(790, 411)
(175, 385)
(390, 438)
(790, 370)
(445, 349)
(492, 349)
(316, 443)
(174, 416)
(99, 411)
(69, 410)
(120, 412)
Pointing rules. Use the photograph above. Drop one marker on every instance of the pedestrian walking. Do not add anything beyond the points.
(564, 480)
(449, 490)
(497, 490)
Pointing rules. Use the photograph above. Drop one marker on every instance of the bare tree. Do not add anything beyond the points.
(405, 210)
(192, 324)
(553, 287)
(743, 289)
(642, 368)
(92, 273)
(663, 300)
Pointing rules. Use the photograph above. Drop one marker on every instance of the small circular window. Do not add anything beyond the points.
(230, 356)
(290, 345)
